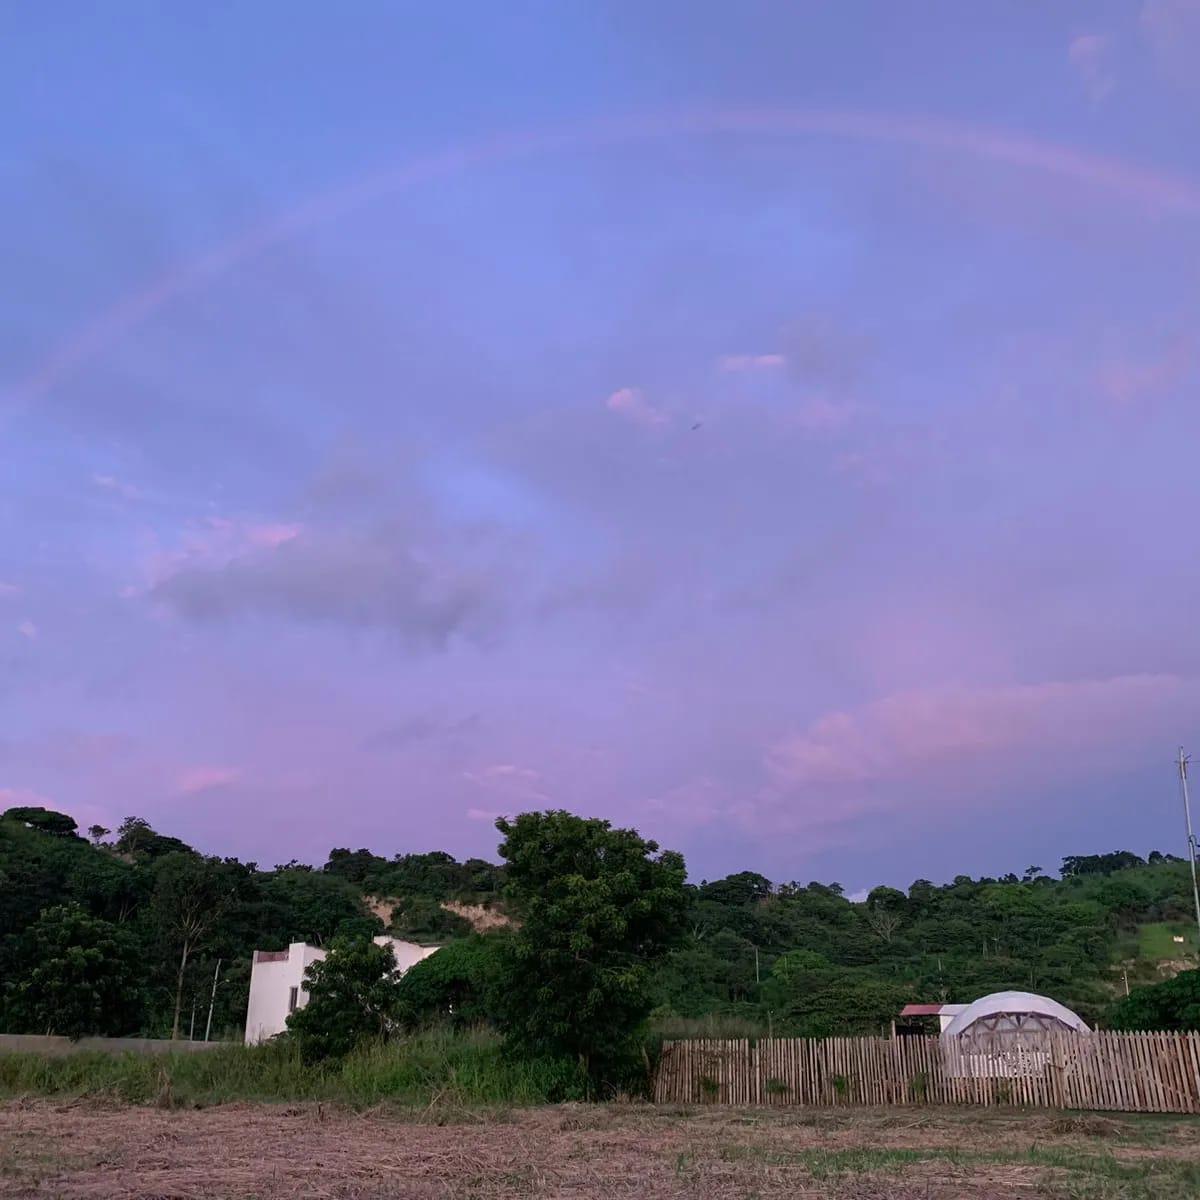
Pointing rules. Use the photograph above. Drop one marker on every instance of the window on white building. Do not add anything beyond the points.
(293, 997)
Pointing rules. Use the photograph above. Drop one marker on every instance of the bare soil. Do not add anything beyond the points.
(87, 1149)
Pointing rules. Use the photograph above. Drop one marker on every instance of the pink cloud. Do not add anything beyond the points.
(751, 362)
(698, 802)
(27, 629)
(1089, 55)
(110, 483)
(509, 779)
(212, 542)
(1171, 28)
(1127, 381)
(483, 814)
(818, 414)
(9, 589)
(23, 798)
(913, 732)
(192, 780)
(272, 535)
(631, 404)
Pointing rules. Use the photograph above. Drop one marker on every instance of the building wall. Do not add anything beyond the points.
(271, 980)
(273, 975)
(948, 1013)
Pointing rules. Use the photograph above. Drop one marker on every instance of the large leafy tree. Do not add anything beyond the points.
(1172, 1004)
(135, 837)
(191, 897)
(598, 907)
(44, 819)
(457, 985)
(74, 974)
(352, 998)
(308, 906)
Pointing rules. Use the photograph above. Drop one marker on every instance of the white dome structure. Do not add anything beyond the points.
(1006, 1033)
(1005, 1015)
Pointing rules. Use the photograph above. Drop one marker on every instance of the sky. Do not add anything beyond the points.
(772, 426)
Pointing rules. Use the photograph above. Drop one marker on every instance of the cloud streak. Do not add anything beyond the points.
(631, 404)
(193, 781)
(1089, 56)
(915, 732)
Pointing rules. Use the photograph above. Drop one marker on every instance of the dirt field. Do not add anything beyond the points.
(85, 1149)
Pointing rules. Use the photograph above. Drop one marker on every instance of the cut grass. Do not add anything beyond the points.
(1095, 1174)
(79, 1151)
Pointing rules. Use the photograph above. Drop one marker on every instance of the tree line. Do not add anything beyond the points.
(124, 932)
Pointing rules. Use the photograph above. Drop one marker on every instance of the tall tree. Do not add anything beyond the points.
(1172, 1004)
(598, 906)
(75, 975)
(352, 998)
(191, 895)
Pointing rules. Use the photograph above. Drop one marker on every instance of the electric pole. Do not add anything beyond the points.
(1191, 837)
(212, 999)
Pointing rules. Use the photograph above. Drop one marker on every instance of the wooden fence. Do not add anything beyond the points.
(1123, 1072)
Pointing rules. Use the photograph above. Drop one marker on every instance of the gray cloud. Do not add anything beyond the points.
(822, 353)
(375, 581)
(417, 729)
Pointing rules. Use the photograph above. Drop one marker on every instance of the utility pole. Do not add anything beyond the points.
(212, 999)
(1191, 837)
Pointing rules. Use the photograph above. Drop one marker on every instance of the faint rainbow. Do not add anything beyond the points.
(1155, 189)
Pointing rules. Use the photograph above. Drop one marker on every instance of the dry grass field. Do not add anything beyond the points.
(89, 1149)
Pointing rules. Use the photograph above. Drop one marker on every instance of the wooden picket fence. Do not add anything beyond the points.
(1122, 1072)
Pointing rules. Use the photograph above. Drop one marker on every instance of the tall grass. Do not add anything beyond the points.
(456, 1068)
(715, 1025)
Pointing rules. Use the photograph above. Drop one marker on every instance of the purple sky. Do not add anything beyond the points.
(770, 425)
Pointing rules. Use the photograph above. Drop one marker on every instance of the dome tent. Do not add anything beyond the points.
(1007, 1016)
(1006, 1034)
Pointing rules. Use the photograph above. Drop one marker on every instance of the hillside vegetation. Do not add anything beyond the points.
(151, 918)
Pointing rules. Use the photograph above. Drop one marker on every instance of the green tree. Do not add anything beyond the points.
(75, 975)
(354, 865)
(352, 998)
(191, 896)
(308, 906)
(838, 1001)
(457, 985)
(598, 907)
(423, 919)
(885, 912)
(746, 887)
(1099, 864)
(1173, 1004)
(44, 819)
(135, 837)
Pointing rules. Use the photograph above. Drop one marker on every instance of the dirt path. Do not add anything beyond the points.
(89, 1150)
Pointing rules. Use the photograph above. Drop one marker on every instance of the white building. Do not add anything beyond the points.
(277, 982)
(945, 1013)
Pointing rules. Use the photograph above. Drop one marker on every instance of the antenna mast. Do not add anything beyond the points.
(1191, 837)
